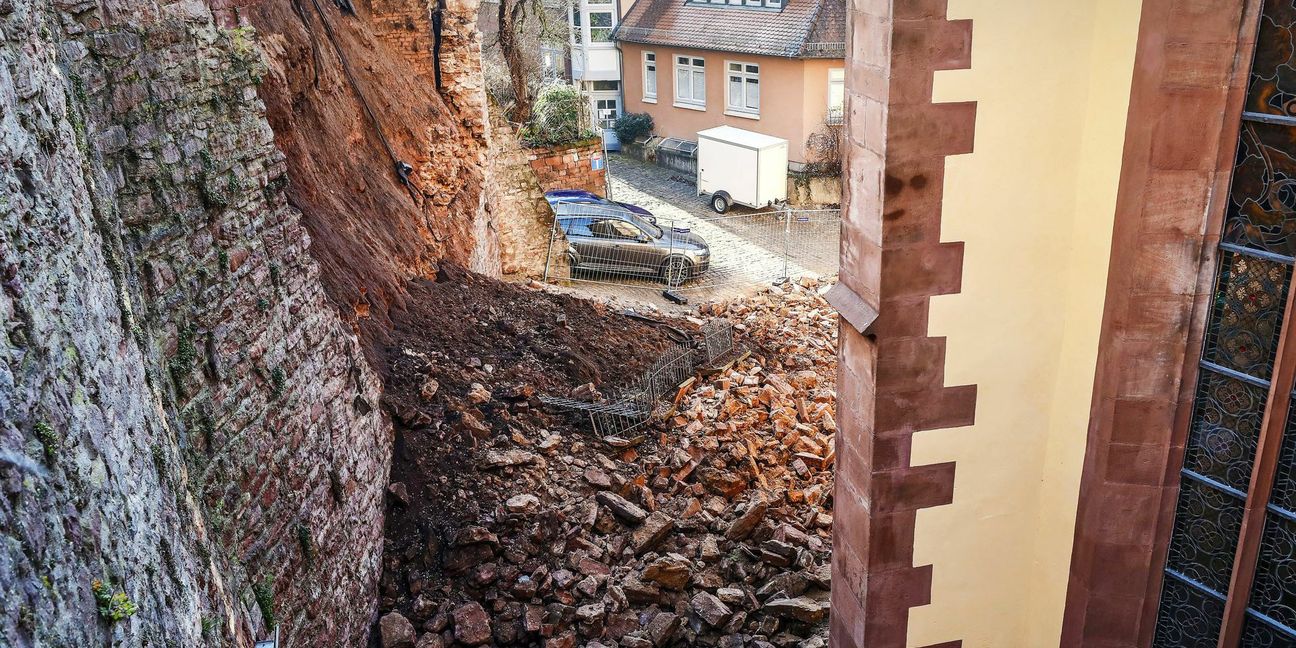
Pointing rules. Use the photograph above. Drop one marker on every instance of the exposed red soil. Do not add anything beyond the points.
(370, 234)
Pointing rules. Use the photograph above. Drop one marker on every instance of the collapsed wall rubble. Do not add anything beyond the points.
(711, 527)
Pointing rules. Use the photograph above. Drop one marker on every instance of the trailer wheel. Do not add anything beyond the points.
(720, 202)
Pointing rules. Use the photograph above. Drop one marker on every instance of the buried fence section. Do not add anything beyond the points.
(597, 244)
(628, 408)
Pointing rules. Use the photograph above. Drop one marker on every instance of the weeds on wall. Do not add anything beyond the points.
(113, 606)
(824, 149)
(48, 438)
(561, 117)
(263, 594)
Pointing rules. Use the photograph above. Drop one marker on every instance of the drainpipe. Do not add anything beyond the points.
(621, 101)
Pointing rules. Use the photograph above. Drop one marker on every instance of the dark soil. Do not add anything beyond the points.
(510, 524)
(517, 343)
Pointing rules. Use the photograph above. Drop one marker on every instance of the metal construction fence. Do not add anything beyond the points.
(625, 410)
(594, 243)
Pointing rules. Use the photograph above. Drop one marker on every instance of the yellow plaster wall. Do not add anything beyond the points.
(1034, 204)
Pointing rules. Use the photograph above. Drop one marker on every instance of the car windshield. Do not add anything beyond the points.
(643, 224)
(603, 207)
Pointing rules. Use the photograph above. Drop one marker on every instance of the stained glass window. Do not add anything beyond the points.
(1239, 363)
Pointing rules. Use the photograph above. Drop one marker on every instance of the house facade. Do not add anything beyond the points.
(595, 61)
(1068, 340)
(771, 66)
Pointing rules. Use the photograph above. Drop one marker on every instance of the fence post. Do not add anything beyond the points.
(787, 235)
(553, 224)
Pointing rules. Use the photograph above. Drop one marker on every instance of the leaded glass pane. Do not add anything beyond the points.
(1227, 416)
(1205, 534)
(1262, 198)
(1247, 317)
(1273, 71)
(1188, 618)
(1274, 591)
(1258, 634)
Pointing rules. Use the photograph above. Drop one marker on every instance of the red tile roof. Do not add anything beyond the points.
(802, 29)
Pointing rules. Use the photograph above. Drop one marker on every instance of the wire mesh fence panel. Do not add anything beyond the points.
(628, 247)
(626, 409)
(717, 339)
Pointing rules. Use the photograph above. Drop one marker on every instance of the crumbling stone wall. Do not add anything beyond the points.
(182, 412)
(571, 167)
(518, 212)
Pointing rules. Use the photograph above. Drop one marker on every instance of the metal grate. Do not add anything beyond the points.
(632, 407)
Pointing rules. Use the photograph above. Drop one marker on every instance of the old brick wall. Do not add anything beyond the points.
(570, 167)
(182, 412)
(345, 106)
(519, 214)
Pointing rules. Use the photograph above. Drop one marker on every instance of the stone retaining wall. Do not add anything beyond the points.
(571, 167)
(183, 414)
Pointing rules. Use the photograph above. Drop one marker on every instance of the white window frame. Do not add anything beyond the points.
(836, 114)
(743, 110)
(612, 23)
(650, 97)
(583, 33)
(691, 67)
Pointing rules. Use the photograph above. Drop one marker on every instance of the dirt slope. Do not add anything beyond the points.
(370, 232)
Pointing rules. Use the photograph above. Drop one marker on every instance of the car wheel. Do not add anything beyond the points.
(676, 271)
(720, 203)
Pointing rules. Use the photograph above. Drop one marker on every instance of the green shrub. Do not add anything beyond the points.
(112, 607)
(561, 117)
(632, 126)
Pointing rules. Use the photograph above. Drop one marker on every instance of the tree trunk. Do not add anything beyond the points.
(508, 42)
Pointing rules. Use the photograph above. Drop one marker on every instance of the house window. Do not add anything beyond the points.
(578, 31)
(650, 76)
(601, 24)
(836, 96)
(742, 91)
(592, 21)
(690, 82)
(1228, 577)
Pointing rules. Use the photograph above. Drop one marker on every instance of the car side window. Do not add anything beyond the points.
(603, 229)
(576, 227)
(626, 230)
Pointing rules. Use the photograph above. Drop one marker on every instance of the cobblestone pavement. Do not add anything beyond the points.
(750, 248)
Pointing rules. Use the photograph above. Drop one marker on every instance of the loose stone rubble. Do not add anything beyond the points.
(712, 527)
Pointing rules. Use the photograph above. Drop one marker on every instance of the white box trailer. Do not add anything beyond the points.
(740, 166)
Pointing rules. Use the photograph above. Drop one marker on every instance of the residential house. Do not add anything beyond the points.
(1068, 345)
(770, 66)
(595, 60)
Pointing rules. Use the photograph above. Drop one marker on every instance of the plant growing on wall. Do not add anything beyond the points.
(113, 607)
(630, 127)
(823, 149)
(562, 116)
